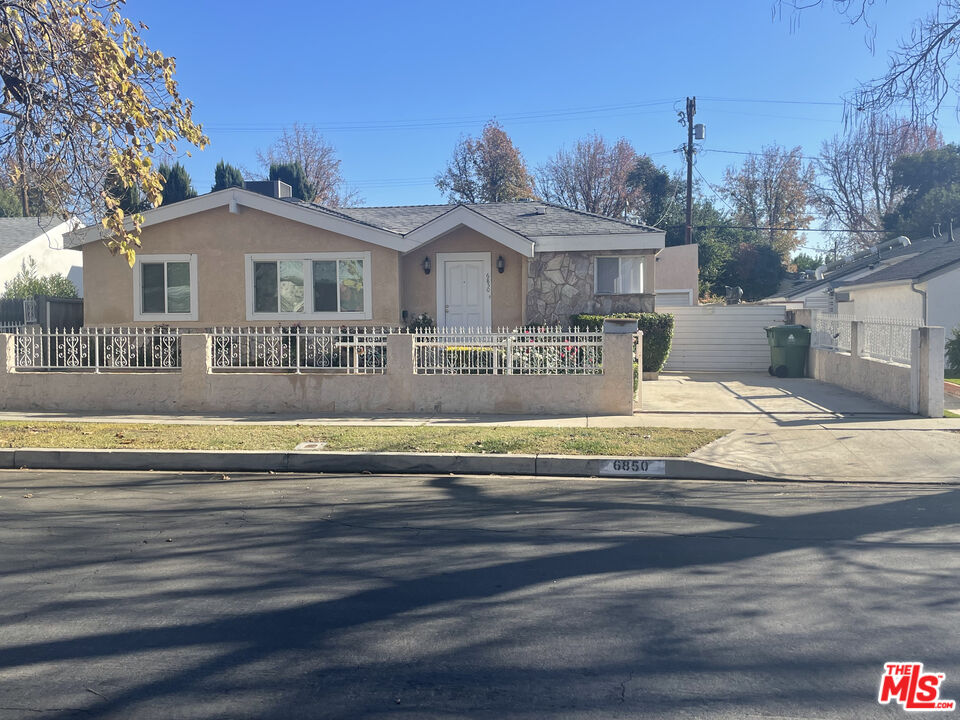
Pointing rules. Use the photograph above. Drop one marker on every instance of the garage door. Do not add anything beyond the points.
(673, 298)
(722, 337)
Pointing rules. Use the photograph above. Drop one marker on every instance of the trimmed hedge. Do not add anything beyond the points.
(657, 334)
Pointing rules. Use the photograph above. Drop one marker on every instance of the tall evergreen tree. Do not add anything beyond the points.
(294, 176)
(176, 184)
(129, 198)
(226, 176)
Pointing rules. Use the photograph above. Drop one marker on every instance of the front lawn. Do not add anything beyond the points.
(651, 442)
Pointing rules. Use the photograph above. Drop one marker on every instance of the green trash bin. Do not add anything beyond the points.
(789, 345)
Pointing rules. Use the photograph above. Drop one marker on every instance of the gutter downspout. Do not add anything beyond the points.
(913, 287)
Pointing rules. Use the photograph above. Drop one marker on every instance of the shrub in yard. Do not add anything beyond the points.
(421, 322)
(953, 351)
(657, 334)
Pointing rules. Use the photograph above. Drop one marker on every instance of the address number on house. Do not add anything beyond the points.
(633, 467)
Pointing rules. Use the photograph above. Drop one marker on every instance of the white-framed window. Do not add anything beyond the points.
(618, 275)
(165, 287)
(309, 286)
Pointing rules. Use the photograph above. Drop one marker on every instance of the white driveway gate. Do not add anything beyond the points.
(722, 337)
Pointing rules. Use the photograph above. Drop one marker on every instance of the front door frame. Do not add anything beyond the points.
(443, 258)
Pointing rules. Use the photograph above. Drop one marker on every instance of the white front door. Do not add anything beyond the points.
(464, 292)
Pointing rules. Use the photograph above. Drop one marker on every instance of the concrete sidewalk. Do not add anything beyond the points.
(780, 428)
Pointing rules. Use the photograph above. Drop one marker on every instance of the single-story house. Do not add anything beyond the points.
(678, 276)
(244, 257)
(922, 287)
(39, 239)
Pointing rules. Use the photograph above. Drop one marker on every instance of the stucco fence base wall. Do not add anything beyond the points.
(915, 388)
(198, 389)
(884, 382)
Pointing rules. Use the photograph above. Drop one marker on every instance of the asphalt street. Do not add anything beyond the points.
(155, 595)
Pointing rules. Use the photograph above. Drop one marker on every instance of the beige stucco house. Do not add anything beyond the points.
(238, 257)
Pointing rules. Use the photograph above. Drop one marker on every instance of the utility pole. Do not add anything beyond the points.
(691, 111)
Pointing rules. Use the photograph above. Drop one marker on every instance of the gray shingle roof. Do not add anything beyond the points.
(18, 231)
(915, 268)
(835, 278)
(530, 219)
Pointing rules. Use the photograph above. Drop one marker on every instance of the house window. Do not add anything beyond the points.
(314, 286)
(619, 275)
(165, 287)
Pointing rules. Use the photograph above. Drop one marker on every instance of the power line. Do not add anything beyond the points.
(454, 121)
(771, 100)
(714, 190)
(785, 229)
(745, 152)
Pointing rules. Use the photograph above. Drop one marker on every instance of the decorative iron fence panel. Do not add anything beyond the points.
(888, 339)
(98, 349)
(881, 338)
(351, 350)
(832, 332)
(529, 351)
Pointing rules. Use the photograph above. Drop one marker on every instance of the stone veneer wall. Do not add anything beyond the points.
(560, 284)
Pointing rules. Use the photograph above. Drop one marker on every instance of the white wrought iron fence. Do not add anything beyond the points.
(528, 351)
(10, 327)
(832, 332)
(888, 339)
(884, 339)
(352, 350)
(98, 349)
(30, 310)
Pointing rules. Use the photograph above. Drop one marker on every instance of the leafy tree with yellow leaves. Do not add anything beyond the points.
(85, 100)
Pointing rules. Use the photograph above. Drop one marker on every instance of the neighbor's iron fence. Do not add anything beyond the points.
(884, 339)
(888, 339)
(527, 351)
(831, 332)
(351, 350)
(98, 349)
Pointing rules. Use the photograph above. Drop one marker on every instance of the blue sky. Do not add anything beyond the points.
(393, 85)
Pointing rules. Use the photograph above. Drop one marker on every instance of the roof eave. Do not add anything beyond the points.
(646, 240)
(237, 197)
(462, 216)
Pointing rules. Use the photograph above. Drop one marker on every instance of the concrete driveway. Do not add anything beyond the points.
(755, 401)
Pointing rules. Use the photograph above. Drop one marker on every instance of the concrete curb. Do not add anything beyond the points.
(360, 462)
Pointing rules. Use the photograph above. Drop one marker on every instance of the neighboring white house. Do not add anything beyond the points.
(924, 287)
(678, 276)
(39, 238)
(819, 293)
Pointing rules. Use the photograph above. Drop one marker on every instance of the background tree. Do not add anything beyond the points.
(83, 95)
(856, 188)
(486, 169)
(807, 263)
(129, 197)
(176, 184)
(318, 159)
(27, 283)
(930, 182)
(593, 176)
(922, 72)
(226, 176)
(758, 269)
(772, 190)
(294, 176)
(660, 193)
